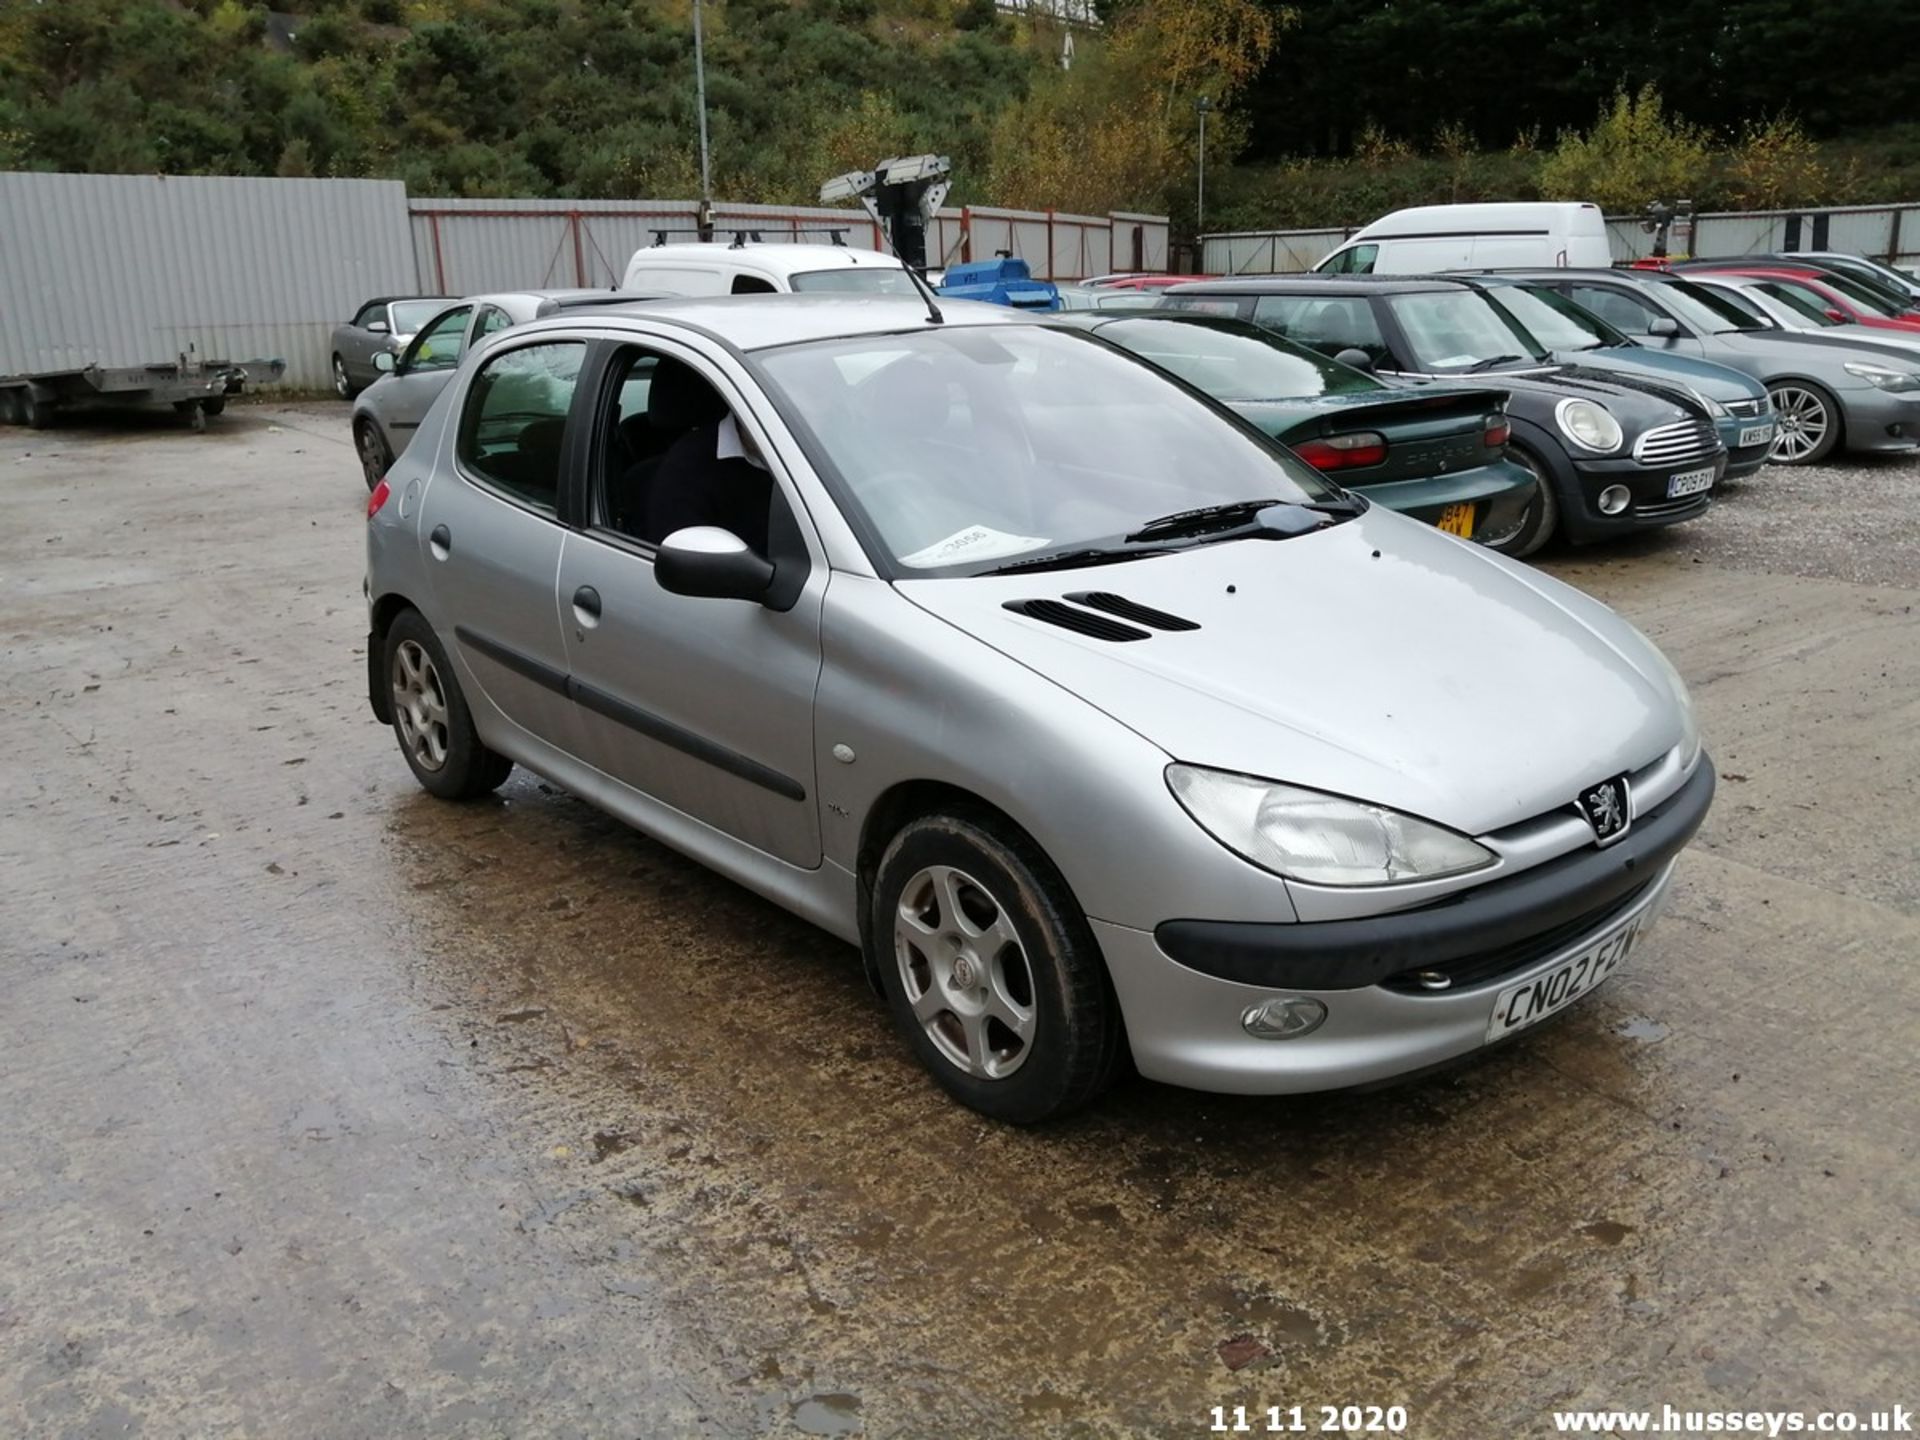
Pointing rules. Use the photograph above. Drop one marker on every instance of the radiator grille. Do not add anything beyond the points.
(1677, 444)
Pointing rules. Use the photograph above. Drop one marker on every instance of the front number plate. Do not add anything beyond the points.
(1689, 482)
(1456, 520)
(1756, 435)
(1544, 995)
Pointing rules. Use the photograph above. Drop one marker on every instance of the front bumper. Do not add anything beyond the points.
(1649, 507)
(1184, 986)
(1880, 422)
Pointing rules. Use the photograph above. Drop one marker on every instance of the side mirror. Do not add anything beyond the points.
(384, 361)
(378, 327)
(715, 564)
(1357, 358)
(1663, 327)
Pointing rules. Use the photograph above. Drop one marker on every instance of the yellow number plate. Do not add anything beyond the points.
(1457, 520)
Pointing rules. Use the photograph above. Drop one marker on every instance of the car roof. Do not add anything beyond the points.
(1321, 285)
(786, 257)
(759, 322)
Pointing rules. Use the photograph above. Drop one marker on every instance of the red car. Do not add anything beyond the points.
(1838, 297)
(1142, 282)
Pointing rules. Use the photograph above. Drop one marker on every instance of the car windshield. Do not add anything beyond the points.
(856, 280)
(1235, 361)
(959, 448)
(1554, 320)
(1461, 330)
(1702, 309)
(1862, 296)
(410, 315)
(1801, 303)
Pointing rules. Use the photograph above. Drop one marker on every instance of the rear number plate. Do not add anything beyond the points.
(1755, 435)
(1544, 995)
(1689, 482)
(1456, 520)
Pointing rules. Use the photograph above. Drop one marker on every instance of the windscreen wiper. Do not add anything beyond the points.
(1070, 559)
(1204, 520)
(1490, 362)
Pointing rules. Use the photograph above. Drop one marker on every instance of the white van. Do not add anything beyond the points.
(751, 268)
(1431, 238)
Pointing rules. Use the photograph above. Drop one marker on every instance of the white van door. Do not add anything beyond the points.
(1426, 255)
(675, 279)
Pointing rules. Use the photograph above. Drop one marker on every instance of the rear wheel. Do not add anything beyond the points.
(1806, 424)
(375, 458)
(342, 385)
(431, 719)
(991, 970)
(1542, 515)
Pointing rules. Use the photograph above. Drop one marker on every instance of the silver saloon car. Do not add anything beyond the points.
(1100, 724)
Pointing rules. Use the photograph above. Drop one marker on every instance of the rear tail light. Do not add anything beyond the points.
(1499, 431)
(1344, 452)
(377, 498)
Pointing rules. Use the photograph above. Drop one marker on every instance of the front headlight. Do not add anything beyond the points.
(1881, 377)
(1316, 838)
(1588, 425)
(1713, 407)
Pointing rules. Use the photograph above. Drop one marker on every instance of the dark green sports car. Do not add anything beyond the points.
(1435, 452)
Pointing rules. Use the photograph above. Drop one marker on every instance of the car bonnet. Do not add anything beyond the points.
(1376, 658)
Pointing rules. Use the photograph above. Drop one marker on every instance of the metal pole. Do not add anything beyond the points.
(700, 87)
(1201, 106)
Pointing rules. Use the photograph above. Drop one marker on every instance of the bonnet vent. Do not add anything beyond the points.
(1083, 622)
(1131, 610)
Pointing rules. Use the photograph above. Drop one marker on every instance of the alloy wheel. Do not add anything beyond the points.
(965, 972)
(1801, 424)
(373, 454)
(419, 705)
(342, 386)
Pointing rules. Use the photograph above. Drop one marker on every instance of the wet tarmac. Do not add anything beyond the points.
(329, 1109)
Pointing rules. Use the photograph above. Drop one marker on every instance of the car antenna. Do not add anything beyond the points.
(926, 293)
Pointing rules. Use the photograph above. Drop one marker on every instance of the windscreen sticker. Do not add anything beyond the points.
(976, 542)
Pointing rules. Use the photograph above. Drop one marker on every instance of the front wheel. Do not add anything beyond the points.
(1542, 516)
(1806, 423)
(431, 719)
(343, 385)
(991, 970)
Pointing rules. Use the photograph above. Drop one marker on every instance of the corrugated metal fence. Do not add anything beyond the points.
(127, 270)
(1885, 232)
(123, 270)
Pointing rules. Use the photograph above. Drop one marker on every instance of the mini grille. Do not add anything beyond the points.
(1665, 509)
(1677, 444)
(1130, 610)
(1068, 617)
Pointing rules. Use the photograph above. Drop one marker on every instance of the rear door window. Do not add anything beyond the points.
(1325, 323)
(515, 422)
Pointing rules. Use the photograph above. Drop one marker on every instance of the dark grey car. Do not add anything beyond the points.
(1863, 396)
(382, 325)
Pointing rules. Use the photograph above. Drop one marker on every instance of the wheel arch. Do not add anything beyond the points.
(387, 609)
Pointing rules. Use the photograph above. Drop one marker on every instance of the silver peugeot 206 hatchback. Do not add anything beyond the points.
(1101, 724)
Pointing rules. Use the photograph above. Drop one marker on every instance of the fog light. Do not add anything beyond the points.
(1285, 1017)
(1614, 499)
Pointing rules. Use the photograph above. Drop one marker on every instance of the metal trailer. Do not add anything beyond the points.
(194, 387)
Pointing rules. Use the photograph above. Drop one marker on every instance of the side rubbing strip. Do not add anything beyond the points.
(525, 665)
(634, 718)
(686, 741)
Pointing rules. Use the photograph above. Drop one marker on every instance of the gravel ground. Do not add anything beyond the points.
(1856, 519)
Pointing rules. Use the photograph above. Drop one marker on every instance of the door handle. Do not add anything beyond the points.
(586, 606)
(442, 541)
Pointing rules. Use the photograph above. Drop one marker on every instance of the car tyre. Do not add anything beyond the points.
(430, 716)
(376, 457)
(343, 385)
(991, 970)
(1543, 512)
(1807, 423)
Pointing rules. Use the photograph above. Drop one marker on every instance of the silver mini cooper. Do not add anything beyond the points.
(1103, 726)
